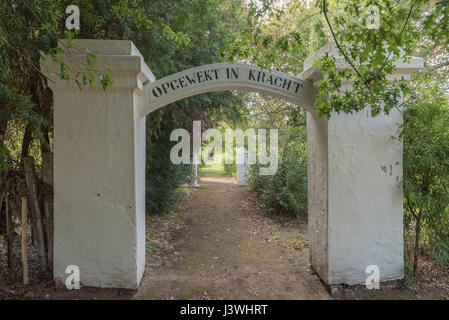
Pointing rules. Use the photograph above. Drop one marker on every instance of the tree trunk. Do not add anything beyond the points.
(47, 179)
(3, 126)
(416, 249)
(24, 240)
(3, 173)
(2, 197)
(42, 98)
(2, 194)
(27, 137)
(9, 231)
(26, 141)
(30, 178)
(45, 145)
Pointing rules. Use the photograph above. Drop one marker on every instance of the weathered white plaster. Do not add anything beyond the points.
(99, 166)
(355, 210)
(317, 188)
(365, 203)
(242, 167)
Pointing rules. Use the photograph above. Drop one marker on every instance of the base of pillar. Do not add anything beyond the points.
(343, 291)
(61, 287)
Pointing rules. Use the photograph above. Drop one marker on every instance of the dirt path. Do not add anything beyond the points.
(224, 247)
(221, 245)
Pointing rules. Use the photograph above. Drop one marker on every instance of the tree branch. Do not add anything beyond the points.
(410, 207)
(336, 41)
(400, 34)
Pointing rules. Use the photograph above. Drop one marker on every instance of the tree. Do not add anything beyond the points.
(286, 191)
(370, 50)
(163, 31)
(171, 35)
(371, 36)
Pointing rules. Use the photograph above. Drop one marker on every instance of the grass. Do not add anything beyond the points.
(212, 170)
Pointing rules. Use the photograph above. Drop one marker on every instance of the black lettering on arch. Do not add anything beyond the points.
(200, 75)
(233, 73)
(165, 86)
(251, 75)
(172, 84)
(158, 90)
(207, 75)
(276, 82)
(261, 77)
(287, 84)
(182, 82)
(191, 80)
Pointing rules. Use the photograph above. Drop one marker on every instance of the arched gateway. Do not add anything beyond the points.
(355, 168)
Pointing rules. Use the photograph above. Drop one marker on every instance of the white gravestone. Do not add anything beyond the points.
(193, 179)
(242, 167)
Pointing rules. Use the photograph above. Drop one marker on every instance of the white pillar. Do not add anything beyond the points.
(355, 194)
(196, 153)
(195, 175)
(242, 167)
(99, 166)
(193, 178)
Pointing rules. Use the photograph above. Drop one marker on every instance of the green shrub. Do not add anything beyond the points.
(426, 169)
(230, 169)
(285, 191)
(163, 178)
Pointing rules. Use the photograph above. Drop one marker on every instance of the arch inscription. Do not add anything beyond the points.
(226, 76)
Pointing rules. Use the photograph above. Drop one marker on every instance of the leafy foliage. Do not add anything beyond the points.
(369, 52)
(286, 191)
(171, 35)
(163, 179)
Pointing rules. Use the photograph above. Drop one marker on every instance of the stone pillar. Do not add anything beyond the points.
(195, 175)
(99, 165)
(242, 167)
(355, 193)
(193, 178)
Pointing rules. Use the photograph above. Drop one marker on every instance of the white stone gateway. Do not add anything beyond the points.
(242, 167)
(355, 208)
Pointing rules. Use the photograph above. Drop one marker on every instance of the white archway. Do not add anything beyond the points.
(355, 206)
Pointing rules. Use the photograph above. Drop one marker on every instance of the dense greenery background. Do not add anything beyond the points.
(177, 34)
